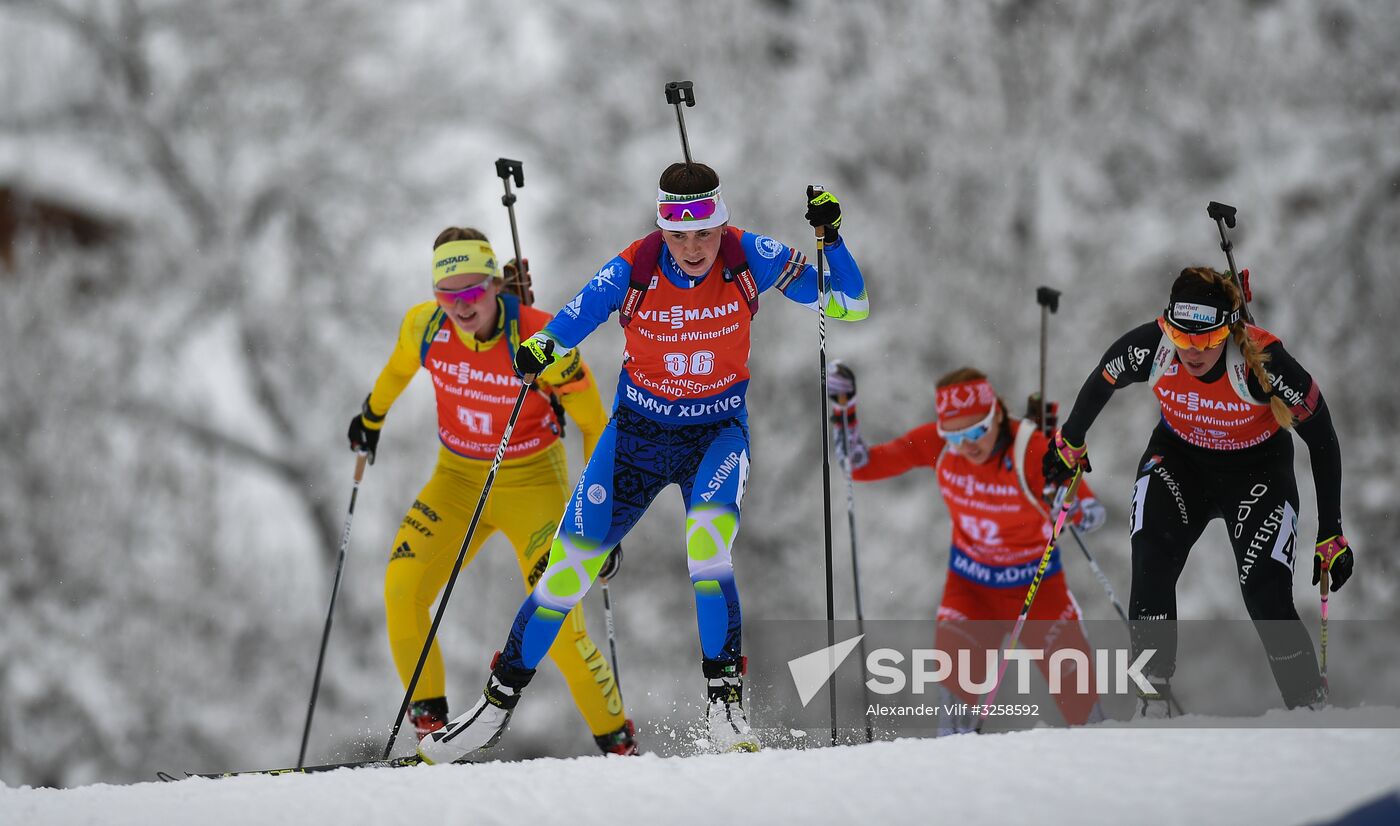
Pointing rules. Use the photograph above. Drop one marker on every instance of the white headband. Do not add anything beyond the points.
(720, 216)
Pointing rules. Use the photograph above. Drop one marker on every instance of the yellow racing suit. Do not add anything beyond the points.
(476, 388)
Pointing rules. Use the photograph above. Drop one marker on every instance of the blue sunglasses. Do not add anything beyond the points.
(968, 434)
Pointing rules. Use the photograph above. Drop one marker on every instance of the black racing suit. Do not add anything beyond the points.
(1180, 487)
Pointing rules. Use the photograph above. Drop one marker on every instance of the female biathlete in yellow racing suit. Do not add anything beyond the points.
(466, 340)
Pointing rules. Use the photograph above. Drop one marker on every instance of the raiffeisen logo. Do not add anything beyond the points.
(892, 671)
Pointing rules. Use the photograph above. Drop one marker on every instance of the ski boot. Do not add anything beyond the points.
(428, 716)
(1312, 700)
(623, 741)
(482, 727)
(1157, 703)
(729, 726)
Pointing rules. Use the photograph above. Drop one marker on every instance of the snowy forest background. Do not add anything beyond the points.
(174, 398)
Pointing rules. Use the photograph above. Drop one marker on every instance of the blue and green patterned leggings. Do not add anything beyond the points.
(635, 458)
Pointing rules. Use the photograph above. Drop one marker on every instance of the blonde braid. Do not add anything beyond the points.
(1254, 357)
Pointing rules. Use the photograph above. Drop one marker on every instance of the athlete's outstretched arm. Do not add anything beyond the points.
(404, 361)
(594, 303)
(1326, 456)
(1128, 361)
(775, 264)
(1313, 421)
(919, 447)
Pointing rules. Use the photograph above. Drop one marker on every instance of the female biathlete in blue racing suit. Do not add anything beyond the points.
(679, 417)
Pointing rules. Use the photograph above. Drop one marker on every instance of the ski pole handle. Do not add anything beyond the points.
(1067, 502)
(361, 459)
(813, 190)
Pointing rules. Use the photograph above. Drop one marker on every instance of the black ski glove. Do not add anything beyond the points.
(364, 431)
(612, 564)
(840, 386)
(535, 354)
(841, 392)
(1061, 461)
(823, 210)
(1336, 554)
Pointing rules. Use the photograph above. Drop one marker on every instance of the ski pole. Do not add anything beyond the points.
(506, 170)
(1049, 301)
(678, 92)
(826, 459)
(360, 461)
(612, 638)
(1065, 506)
(526, 382)
(1100, 575)
(855, 568)
(1224, 216)
(1323, 582)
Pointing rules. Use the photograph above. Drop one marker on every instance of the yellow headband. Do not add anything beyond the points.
(458, 257)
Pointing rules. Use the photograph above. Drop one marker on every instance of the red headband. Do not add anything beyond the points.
(964, 398)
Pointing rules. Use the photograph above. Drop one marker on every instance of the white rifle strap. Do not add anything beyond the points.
(1019, 449)
(1238, 371)
(1161, 360)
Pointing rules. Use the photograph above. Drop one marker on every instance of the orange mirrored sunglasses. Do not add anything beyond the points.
(1208, 340)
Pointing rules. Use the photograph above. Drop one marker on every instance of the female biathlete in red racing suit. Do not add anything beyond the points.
(989, 473)
(1228, 391)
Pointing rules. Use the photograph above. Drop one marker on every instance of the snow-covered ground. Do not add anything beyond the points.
(1048, 776)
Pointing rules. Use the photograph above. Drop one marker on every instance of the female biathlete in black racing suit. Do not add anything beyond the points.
(1228, 393)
